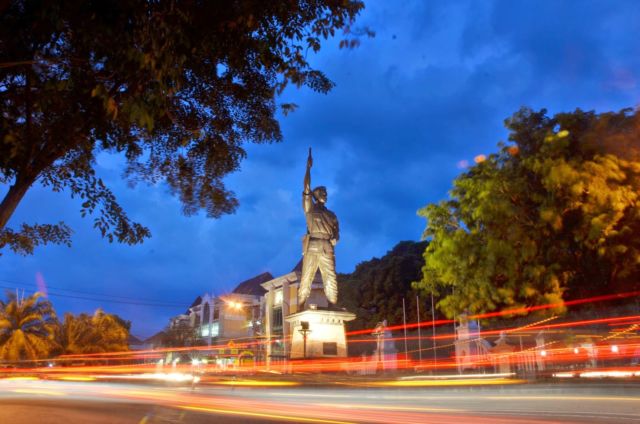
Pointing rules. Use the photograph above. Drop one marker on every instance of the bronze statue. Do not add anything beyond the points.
(318, 244)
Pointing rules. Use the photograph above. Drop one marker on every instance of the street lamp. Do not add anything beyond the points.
(304, 330)
(235, 305)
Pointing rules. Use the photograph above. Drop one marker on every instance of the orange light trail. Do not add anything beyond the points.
(99, 368)
(519, 311)
(506, 312)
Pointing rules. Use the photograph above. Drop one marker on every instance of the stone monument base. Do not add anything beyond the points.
(324, 332)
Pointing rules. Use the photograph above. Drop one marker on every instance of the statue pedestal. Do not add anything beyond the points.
(324, 332)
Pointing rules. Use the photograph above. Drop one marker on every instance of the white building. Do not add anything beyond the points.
(234, 316)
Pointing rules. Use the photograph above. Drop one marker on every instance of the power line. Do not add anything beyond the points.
(26, 285)
(100, 295)
(98, 299)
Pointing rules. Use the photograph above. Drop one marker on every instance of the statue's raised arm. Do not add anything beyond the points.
(306, 194)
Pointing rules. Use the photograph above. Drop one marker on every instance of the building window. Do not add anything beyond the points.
(329, 348)
(196, 322)
(207, 312)
(277, 351)
(211, 330)
(277, 298)
(276, 325)
(255, 312)
(216, 312)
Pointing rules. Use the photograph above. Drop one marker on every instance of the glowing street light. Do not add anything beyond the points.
(235, 305)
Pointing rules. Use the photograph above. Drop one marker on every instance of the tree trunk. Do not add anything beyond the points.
(13, 197)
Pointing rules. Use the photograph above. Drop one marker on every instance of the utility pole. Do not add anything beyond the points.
(433, 328)
(404, 322)
(419, 333)
(378, 332)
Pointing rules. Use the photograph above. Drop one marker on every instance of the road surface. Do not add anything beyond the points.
(29, 401)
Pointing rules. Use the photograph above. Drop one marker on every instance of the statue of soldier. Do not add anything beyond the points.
(318, 244)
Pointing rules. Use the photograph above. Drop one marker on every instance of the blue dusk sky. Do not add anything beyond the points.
(410, 109)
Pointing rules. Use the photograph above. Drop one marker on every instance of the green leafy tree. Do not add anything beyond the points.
(97, 333)
(374, 291)
(553, 215)
(27, 327)
(177, 88)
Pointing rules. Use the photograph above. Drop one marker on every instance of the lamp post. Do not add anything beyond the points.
(304, 330)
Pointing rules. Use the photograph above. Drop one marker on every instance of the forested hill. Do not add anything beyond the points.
(374, 291)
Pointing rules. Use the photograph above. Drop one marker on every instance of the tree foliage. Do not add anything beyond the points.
(175, 87)
(181, 334)
(374, 291)
(97, 333)
(553, 215)
(27, 327)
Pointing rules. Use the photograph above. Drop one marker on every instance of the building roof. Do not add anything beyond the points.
(298, 267)
(293, 277)
(133, 340)
(253, 286)
(196, 302)
(156, 338)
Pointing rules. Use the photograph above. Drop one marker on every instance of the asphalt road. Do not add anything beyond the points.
(94, 402)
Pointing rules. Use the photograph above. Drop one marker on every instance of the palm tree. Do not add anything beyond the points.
(97, 333)
(27, 327)
(76, 334)
(114, 334)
